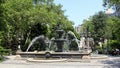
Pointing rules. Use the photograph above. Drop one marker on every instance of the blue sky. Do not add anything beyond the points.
(78, 10)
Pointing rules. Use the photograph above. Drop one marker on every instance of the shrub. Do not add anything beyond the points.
(113, 44)
(4, 51)
(100, 50)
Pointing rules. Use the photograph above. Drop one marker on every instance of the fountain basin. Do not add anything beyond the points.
(52, 54)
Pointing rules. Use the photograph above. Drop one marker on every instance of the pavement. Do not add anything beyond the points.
(110, 62)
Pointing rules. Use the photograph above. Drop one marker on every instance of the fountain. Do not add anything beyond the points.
(59, 43)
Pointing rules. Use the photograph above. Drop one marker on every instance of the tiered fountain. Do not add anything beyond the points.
(59, 40)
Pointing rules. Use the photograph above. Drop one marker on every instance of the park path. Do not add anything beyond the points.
(110, 62)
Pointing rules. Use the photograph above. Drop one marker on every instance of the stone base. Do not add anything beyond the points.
(43, 54)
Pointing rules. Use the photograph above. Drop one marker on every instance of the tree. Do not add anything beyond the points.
(114, 21)
(116, 28)
(2, 28)
(115, 4)
(99, 22)
(26, 16)
(111, 3)
(88, 26)
(99, 25)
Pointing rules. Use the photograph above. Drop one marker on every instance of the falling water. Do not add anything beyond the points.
(77, 41)
(33, 41)
(51, 42)
(82, 42)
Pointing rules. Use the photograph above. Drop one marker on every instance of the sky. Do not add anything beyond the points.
(78, 10)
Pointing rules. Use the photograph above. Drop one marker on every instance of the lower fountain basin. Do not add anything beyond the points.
(52, 54)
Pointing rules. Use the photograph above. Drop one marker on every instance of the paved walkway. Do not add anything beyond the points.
(110, 62)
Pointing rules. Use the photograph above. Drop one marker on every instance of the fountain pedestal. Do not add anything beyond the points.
(60, 44)
(59, 39)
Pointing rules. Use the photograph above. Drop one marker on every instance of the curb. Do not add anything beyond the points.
(45, 61)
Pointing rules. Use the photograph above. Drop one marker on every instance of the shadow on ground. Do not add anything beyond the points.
(112, 63)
